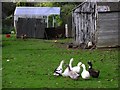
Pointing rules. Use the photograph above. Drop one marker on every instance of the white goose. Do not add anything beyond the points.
(58, 71)
(72, 74)
(77, 68)
(85, 74)
(66, 72)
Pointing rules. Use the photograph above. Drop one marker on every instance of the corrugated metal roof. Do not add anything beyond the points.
(38, 11)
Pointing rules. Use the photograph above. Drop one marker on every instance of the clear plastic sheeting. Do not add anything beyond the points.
(35, 12)
(39, 11)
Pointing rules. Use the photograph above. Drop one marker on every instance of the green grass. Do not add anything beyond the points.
(33, 61)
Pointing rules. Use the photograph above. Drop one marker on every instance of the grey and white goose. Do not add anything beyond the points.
(72, 74)
(59, 69)
(93, 73)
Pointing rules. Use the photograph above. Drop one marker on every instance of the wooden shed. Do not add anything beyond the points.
(32, 21)
(96, 23)
(31, 27)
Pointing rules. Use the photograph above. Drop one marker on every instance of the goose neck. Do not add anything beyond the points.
(84, 68)
(61, 64)
(70, 64)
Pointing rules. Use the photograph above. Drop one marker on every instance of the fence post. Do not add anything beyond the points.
(47, 21)
(66, 30)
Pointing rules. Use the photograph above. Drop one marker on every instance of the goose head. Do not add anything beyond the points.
(79, 64)
(62, 62)
(83, 66)
(71, 60)
(90, 64)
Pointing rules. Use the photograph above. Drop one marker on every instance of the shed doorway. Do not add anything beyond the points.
(84, 19)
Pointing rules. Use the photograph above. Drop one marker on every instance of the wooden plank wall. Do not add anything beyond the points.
(84, 23)
(20, 26)
(32, 27)
(29, 27)
(107, 29)
(40, 28)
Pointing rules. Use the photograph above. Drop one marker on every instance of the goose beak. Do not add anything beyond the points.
(80, 65)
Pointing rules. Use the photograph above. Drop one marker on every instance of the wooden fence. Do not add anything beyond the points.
(32, 27)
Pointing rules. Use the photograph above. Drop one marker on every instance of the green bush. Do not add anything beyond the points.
(7, 30)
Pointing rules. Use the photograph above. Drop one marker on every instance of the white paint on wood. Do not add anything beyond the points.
(66, 30)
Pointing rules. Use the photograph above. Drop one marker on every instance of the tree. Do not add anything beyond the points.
(66, 9)
(25, 4)
(44, 4)
(8, 9)
(7, 16)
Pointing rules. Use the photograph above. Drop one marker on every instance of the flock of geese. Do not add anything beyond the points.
(74, 72)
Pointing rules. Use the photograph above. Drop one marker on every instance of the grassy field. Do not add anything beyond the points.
(33, 61)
